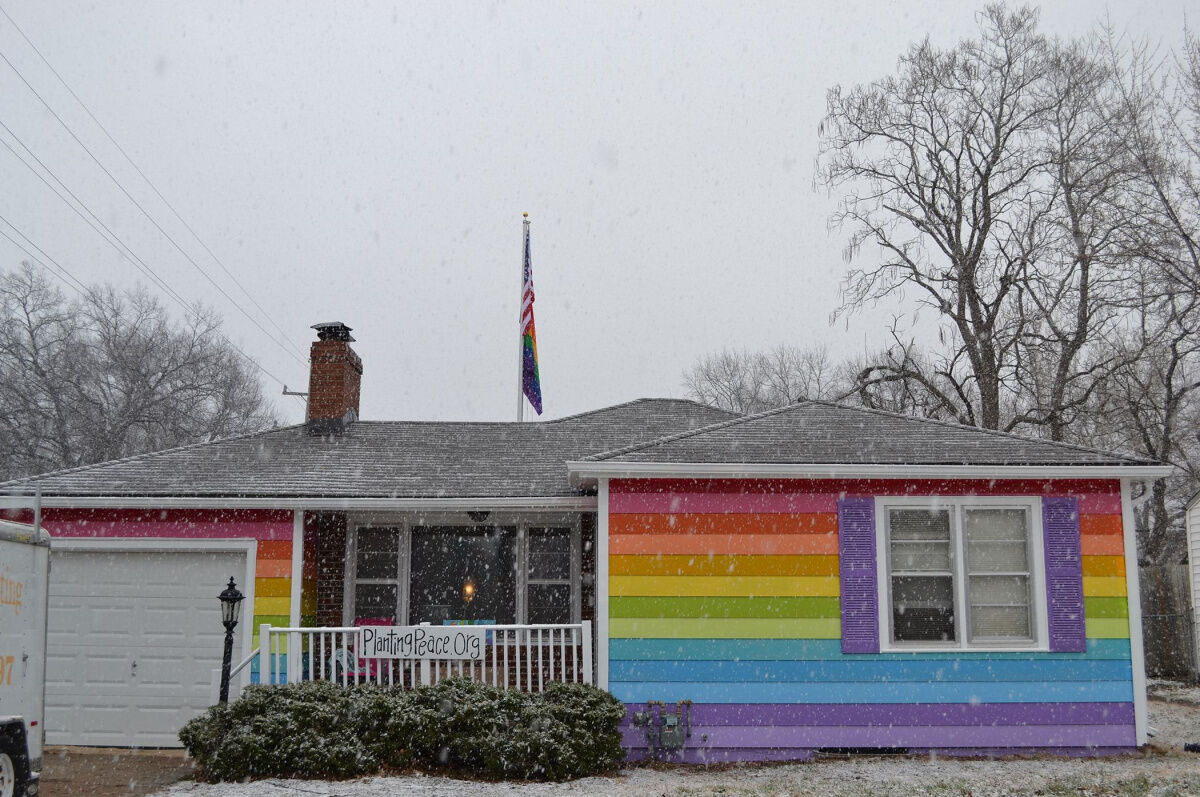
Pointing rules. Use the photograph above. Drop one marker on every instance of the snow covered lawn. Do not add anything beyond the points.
(1167, 770)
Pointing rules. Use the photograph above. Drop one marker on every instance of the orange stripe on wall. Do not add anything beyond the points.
(1099, 524)
(723, 544)
(1104, 565)
(273, 568)
(653, 523)
(275, 549)
(1102, 545)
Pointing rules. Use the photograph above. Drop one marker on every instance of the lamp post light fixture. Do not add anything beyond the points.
(231, 606)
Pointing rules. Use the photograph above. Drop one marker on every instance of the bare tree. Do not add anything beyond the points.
(112, 375)
(746, 382)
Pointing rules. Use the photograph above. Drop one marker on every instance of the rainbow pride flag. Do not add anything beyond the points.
(531, 383)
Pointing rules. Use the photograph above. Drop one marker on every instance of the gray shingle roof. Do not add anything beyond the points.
(819, 432)
(387, 459)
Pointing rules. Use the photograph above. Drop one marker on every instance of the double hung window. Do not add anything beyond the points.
(961, 573)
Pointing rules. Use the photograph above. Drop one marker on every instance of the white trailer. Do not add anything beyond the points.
(24, 583)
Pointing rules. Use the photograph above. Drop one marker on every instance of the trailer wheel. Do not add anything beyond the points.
(8, 776)
(14, 761)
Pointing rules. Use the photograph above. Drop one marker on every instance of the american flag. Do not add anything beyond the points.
(531, 384)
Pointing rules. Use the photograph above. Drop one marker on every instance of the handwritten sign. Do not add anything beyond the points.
(423, 642)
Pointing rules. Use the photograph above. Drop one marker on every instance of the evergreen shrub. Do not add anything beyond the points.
(459, 726)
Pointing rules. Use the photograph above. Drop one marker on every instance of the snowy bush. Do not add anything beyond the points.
(458, 725)
(297, 730)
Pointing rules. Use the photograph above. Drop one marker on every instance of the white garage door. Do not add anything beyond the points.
(133, 639)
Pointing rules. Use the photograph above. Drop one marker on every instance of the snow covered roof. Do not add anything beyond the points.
(386, 459)
(823, 432)
(409, 459)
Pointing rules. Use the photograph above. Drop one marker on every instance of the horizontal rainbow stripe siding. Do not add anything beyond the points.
(726, 593)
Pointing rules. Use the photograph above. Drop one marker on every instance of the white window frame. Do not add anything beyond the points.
(958, 503)
(406, 522)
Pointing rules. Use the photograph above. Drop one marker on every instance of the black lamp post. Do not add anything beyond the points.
(231, 605)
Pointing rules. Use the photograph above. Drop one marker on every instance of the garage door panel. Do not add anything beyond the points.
(112, 610)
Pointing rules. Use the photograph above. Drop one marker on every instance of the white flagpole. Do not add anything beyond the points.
(521, 329)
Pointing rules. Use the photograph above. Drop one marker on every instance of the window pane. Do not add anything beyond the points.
(549, 603)
(920, 524)
(920, 556)
(997, 540)
(1007, 622)
(463, 573)
(922, 608)
(376, 552)
(550, 554)
(920, 540)
(375, 602)
(1000, 606)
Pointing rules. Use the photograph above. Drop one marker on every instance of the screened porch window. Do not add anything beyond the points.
(446, 573)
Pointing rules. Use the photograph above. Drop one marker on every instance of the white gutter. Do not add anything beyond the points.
(585, 473)
(581, 502)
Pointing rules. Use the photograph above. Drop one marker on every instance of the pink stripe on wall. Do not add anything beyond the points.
(747, 503)
(175, 524)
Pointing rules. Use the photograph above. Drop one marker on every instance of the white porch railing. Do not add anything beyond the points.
(525, 657)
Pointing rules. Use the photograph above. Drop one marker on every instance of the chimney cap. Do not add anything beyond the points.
(333, 330)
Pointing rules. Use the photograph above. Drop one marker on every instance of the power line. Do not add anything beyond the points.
(140, 207)
(115, 241)
(138, 169)
(86, 291)
(94, 222)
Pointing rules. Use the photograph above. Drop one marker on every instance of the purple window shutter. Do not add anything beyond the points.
(860, 590)
(1064, 575)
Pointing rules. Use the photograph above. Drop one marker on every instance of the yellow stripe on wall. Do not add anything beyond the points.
(1104, 586)
(269, 605)
(272, 587)
(816, 586)
(724, 628)
(701, 565)
(1107, 628)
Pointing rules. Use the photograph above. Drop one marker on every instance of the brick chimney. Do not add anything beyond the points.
(335, 376)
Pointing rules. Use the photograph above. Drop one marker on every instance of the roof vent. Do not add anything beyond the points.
(333, 330)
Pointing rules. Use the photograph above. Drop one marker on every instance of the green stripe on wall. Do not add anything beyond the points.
(724, 628)
(714, 607)
(1105, 628)
(278, 620)
(1105, 607)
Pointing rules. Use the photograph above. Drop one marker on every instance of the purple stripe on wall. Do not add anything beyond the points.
(860, 598)
(723, 755)
(1064, 575)
(920, 714)
(971, 736)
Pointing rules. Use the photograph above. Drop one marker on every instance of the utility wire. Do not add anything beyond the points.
(86, 291)
(94, 221)
(115, 241)
(286, 346)
(138, 169)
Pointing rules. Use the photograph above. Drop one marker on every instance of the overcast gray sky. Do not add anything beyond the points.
(369, 163)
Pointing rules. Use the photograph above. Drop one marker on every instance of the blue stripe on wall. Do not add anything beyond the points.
(869, 669)
(867, 692)
(825, 649)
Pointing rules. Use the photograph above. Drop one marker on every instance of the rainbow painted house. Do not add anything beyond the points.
(810, 578)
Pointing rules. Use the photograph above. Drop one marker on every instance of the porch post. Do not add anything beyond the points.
(602, 585)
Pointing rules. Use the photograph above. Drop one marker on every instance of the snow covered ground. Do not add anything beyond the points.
(1166, 770)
